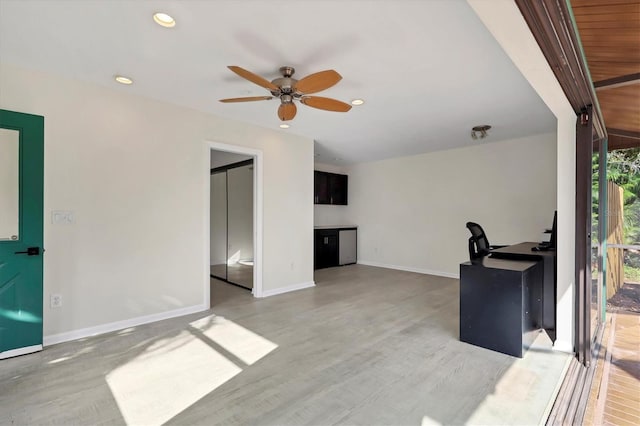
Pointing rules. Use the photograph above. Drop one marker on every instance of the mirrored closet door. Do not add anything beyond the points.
(232, 223)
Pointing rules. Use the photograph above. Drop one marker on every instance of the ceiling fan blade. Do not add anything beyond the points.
(327, 104)
(317, 82)
(287, 111)
(248, 99)
(254, 78)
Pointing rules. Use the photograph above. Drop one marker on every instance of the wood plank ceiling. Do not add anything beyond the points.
(610, 35)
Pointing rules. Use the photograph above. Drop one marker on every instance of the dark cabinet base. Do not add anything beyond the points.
(523, 251)
(326, 248)
(501, 304)
(334, 247)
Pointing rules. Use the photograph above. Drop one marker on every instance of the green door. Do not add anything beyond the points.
(21, 224)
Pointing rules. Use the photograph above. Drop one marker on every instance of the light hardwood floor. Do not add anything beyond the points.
(366, 346)
(236, 273)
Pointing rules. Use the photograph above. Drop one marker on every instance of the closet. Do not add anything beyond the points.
(232, 223)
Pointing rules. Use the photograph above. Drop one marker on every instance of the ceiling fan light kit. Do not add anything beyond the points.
(288, 89)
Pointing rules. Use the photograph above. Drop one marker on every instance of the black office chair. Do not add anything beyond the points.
(479, 246)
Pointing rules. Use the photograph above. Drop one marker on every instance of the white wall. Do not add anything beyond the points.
(505, 22)
(240, 196)
(411, 212)
(324, 214)
(138, 247)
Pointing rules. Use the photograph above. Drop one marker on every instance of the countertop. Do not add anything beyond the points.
(335, 227)
(509, 265)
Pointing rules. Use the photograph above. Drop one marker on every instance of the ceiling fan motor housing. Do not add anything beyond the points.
(286, 83)
(289, 89)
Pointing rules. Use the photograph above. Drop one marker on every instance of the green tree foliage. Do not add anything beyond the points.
(623, 169)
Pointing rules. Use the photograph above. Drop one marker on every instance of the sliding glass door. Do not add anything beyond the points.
(591, 200)
(598, 237)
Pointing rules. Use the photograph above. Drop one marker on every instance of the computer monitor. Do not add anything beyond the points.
(552, 240)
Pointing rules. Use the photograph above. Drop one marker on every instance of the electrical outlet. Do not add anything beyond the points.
(60, 217)
(56, 300)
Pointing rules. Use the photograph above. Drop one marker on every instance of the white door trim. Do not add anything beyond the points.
(258, 167)
(20, 351)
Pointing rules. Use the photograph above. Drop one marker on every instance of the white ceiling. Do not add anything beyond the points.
(428, 70)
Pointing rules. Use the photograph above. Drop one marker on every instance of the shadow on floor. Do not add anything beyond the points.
(366, 346)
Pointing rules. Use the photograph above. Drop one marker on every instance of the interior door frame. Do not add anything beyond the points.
(258, 213)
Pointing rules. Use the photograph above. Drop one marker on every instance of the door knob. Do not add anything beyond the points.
(31, 251)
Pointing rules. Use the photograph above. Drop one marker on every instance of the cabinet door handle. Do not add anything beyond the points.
(326, 240)
(331, 200)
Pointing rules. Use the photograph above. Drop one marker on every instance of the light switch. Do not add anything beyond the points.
(61, 217)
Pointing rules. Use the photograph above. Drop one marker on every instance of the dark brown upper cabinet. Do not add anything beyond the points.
(330, 188)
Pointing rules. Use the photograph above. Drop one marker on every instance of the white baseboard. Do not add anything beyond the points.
(281, 290)
(20, 351)
(119, 325)
(409, 269)
(561, 346)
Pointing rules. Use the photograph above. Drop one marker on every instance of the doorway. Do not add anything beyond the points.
(234, 218)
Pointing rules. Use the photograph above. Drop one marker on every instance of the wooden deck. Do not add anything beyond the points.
(615, 393)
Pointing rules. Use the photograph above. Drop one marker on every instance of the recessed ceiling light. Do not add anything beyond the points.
(123, 80)
(164, 20)
(357, 102)
(284, 126)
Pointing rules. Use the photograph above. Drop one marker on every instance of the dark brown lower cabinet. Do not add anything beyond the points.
(326, 248)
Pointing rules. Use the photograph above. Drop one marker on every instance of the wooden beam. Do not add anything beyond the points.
(551, 24)
(623, 80)
(624, 133)
(622, 139)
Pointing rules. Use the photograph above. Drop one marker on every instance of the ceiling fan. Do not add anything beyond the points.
(288, 89)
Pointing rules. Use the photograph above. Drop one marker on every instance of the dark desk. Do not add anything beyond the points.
(523, 251)
(501, 304)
